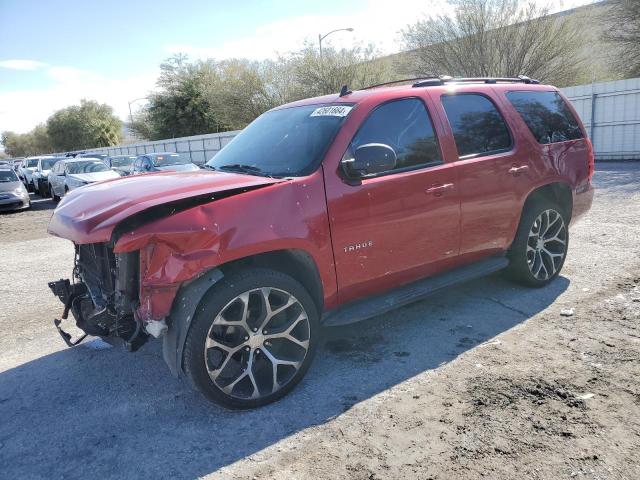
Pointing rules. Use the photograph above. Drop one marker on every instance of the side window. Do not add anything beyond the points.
(478, 128)
(547, 116)
(136, 164)
(405, 126)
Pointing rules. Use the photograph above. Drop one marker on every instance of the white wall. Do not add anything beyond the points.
(611, 113)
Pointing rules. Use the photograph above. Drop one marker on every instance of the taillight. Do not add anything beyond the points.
(591, 160)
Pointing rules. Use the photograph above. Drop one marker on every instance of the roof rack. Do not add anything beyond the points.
(490, 80)
(415, 79)
(441, 80)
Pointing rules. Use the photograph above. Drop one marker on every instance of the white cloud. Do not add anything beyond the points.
(22, 64)
(21, 110)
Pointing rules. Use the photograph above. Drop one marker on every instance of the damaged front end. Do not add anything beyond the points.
(102, 296)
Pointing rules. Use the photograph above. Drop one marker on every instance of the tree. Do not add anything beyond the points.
(497, 38)
(356, 67)
(35, 142)
(181, 107)
(89, 125)
(211, 96)
(624, 32)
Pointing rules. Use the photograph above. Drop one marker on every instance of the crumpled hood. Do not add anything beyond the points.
(90, 214)
(95, 176)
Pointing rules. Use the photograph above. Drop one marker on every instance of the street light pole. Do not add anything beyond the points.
(322, 37)
(131, 102)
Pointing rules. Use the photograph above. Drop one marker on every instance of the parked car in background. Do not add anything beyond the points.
(163, 162)
(13, 193)
(121, 163)
(41, 173)
(324, 212)
(27, 168)
(101, 156)
(71, 173)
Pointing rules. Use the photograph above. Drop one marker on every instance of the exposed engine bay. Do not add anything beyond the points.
(102, 296)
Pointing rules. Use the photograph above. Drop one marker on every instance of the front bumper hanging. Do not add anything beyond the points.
(67, 293)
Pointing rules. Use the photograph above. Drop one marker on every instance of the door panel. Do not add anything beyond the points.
(493, 173)
(404, 223)
(391, 230)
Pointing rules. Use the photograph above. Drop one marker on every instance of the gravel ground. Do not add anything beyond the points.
(487, 379)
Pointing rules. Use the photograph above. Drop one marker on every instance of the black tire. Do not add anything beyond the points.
(525, 261)
(218, 299)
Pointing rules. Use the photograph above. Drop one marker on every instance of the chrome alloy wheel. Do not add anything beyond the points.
(547, 244)
(257, 343)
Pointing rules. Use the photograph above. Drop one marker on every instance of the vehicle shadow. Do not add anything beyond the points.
(621, 177)
(41, 203)
(106, 413)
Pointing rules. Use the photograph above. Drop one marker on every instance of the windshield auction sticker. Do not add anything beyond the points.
(332, 111)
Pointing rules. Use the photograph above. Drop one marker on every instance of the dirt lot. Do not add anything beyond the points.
(486, 380)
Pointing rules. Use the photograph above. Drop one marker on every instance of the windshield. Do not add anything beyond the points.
(90, 166)
(32, 163)
(7, 176)
(281, 143)
(122, 161)
(166, 159)
(48, 163)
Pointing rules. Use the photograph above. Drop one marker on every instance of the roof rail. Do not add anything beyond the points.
(489, 80)
(415, 79)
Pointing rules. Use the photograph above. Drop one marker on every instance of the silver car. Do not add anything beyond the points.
(40, 175)
(27, 168)
(13, 194)
(71, 173)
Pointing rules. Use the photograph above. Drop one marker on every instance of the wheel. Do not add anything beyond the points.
(54, 197)
(252, 339)
(540, 247)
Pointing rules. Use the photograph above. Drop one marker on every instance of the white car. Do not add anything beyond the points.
(69, 174)
(26, 169)
(40, 174)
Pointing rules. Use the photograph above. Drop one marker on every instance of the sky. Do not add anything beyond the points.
(55, 52)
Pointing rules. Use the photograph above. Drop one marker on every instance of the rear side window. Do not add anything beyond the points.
(478, 127)
(405, 126)
(547, 116)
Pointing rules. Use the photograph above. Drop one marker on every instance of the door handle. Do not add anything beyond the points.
(438, 190)
(518, 170)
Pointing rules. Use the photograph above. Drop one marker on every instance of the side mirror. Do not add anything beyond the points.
(370, 159)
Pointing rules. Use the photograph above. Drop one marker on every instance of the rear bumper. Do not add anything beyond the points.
(582, 200)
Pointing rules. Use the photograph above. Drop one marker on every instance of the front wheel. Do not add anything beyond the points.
(252, 339)
(540, 247)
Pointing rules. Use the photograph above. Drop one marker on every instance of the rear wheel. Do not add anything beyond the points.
(252, 339)
(540, 247)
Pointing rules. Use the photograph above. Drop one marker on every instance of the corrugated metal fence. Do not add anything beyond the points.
(610, 111)
(200, 148)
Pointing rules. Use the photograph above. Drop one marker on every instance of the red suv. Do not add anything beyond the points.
(324, 212)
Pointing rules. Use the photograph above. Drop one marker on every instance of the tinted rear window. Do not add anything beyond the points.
(478, 127)
(547, 116)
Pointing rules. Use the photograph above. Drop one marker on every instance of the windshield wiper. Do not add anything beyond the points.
(209, 167)
(249, 169)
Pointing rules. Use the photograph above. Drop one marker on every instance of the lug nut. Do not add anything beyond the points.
(246, 338)
(258, 351)
(247, 349)
(255, 329)
(264, 332)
